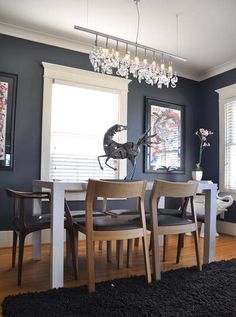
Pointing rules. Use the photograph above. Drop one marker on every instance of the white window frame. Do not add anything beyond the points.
(82, 78)
(226, 94)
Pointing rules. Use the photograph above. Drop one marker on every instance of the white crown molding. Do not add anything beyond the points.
(187, 75)
(49, 39)
(218, 70)
(54, 40)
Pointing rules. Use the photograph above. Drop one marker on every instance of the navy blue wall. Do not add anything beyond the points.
(208, 115)
(24, 58)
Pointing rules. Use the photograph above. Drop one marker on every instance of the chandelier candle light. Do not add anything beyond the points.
(108, 59)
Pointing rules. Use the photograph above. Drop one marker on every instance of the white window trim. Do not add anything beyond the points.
(83, 78)
(226, 94)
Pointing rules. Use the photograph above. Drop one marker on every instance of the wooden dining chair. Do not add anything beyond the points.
(72, 216)
(112, 228)
(162, 224)
(25, 223)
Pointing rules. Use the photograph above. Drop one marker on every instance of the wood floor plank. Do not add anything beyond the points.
(36, 275)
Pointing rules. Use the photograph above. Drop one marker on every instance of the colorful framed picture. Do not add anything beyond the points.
(8, 85)
(165, 121)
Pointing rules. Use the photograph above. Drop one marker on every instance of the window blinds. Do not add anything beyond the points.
(230, 145)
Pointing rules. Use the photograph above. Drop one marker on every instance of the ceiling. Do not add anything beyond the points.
(206, 28)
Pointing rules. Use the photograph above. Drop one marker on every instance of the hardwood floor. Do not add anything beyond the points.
(36, 273)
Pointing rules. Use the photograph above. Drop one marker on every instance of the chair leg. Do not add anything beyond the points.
(196, 242)
(68, 248)
(136, 242)
(20, 258)
(180, 246)
(90, 264)
(109, 251)
(165, 247)
(129, 252)
(119, 253)
(100, 245)
(73, 237)
(150, 243)
(146, 259)
(14, 248)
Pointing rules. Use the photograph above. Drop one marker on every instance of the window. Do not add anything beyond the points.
(79, 106)
(227, 113)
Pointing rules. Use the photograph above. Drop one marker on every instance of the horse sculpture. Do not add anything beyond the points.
(128, 150)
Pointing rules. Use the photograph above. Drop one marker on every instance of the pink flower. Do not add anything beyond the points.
(204, 132)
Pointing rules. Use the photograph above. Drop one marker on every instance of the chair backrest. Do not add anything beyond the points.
(110, 189)
(19, 198)
(172, 190)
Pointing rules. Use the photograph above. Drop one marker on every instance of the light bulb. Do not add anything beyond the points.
(136, 60)
(127, 56)
(170, 69)
(162, 66)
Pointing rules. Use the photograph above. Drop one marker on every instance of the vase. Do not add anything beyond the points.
(197, 175)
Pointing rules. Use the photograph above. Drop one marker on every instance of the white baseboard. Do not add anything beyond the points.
(226, 227)
(6, 238)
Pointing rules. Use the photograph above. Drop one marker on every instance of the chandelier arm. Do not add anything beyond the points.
(82, 29)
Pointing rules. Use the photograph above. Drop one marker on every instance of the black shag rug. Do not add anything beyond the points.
(183, 292)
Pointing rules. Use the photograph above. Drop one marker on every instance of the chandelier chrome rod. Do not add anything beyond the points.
(76, 27)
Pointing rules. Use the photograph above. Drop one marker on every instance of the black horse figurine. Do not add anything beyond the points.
(128, 150)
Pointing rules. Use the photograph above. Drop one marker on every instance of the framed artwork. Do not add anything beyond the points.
(8, 83)
(166, 121)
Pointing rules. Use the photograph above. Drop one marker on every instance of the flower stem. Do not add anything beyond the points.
(200, 154)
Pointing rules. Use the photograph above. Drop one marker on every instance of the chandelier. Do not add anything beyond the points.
(155, 67)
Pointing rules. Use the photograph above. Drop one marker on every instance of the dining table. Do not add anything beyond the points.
(58, 189)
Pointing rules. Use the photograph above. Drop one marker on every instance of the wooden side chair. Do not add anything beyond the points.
(162, 224)
(72, 216)
(112, 228)
(24, 224)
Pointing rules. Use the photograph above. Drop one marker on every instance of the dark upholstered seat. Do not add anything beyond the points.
(166, 220)
(120, 212)
(169, 212)
(111, 224)
(81, 213)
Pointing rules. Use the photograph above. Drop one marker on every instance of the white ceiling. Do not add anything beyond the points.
(206, 36)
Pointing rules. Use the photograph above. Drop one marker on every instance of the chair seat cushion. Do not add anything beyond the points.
(81, 213)
(119, 212)
(169, 212)
(200, 217)
(166, 220)
(111, 224)
(39, 221)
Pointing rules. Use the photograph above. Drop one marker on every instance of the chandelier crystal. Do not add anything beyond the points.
(108, 59)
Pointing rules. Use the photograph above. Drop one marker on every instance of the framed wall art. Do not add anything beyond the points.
(166, 120)
(8, 83)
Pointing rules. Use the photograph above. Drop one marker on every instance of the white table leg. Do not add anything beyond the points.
(210, 226)
(36, 236)
(57, 237)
